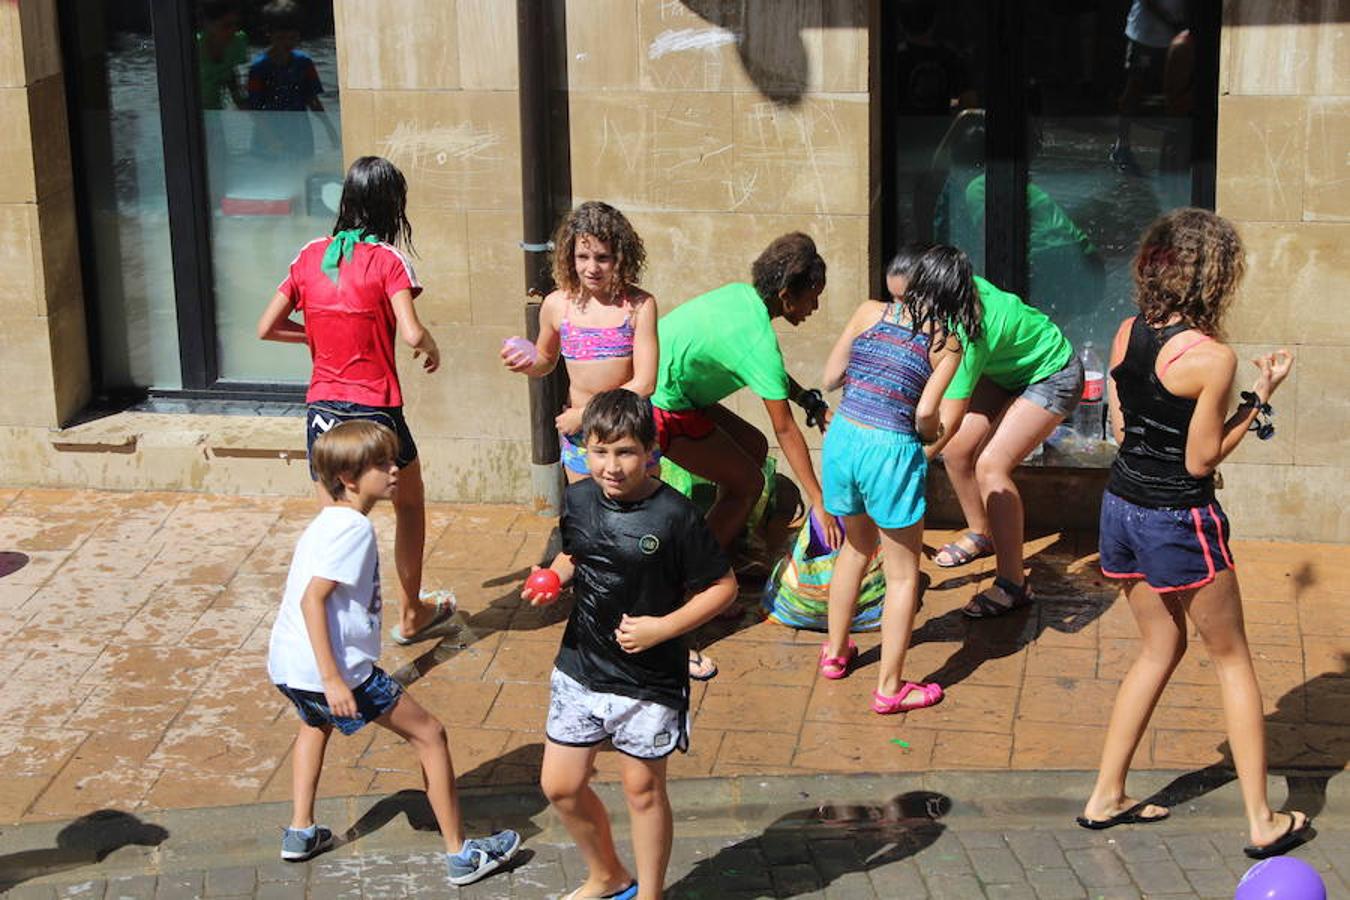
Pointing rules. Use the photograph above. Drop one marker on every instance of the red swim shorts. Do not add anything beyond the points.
(694, 424)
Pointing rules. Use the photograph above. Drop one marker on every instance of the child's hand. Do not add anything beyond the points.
(834, 535)
(1274, 370)
(568, 421)
(340, 699)
(432, 354)
(537, 598)
(638, 633)
(518, 354)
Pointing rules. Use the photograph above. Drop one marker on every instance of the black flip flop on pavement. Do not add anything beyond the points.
(1132, 816)
(1291, 838)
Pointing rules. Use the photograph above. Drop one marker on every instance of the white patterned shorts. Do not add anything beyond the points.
(581, 717)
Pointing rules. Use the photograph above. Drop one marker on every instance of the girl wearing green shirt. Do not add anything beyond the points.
(1017, 382)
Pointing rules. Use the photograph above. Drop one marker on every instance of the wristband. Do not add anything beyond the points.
(813, 401)
(942, 429)
(1261, 424)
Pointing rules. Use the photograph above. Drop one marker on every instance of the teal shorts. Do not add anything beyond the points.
(871, 471)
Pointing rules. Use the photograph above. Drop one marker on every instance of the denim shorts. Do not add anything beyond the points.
(1170, 549)
(1059, 393)
(374, 697)
(322, 415)
(872, 471)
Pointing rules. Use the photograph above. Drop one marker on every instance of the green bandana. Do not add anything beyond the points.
(340, 250)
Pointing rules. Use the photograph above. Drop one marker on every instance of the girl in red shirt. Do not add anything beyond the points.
(355, 289)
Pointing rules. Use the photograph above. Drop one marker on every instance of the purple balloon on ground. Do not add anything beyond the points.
(522, 347)
(817, 545)
(1281, 878)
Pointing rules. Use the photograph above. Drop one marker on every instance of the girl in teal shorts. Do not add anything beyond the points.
(893, 360)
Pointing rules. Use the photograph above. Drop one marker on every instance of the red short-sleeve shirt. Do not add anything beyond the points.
(350, 325)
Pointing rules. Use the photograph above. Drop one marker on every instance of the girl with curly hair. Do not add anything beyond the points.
(1162, 531)
(598, 320)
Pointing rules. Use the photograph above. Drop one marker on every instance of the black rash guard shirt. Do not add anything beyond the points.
(642, 558)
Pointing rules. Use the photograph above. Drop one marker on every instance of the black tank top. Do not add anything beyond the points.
(1150, 469)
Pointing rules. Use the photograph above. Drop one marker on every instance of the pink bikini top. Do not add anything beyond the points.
(578, 343)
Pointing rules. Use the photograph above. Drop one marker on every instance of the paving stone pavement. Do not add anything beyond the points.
(1005, 836)
(895, 860)
(134, 630)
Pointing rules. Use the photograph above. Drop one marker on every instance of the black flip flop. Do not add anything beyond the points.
(1291, 838)
(698, 660)
(1132, 816)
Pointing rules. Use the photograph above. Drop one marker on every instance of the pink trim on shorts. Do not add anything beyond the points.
(1121, 574)
(1218, 530)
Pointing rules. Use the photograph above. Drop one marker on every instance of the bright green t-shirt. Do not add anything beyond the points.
(1018, 345)
(214, 75)
(714, 345)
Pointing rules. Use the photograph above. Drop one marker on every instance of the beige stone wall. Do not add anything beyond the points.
(1284, 177)
(671, 120)
(44, 366)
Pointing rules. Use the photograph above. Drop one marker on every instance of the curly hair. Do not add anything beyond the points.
(607, 225)
(1189, 264)
(790, 263)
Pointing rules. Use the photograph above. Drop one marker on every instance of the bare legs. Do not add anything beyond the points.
(1216, 611)
(994, 437)
(415, 725)
(732, 457)
(566, 782)
(410, 539)
(900, 549)
(427, 735)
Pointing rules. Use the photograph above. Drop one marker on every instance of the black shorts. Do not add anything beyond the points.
(322, 415)
(1145, 60)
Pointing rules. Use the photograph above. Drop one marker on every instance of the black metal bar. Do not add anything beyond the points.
(185, 183)
(1205, 116)
(534, 37)
(1006, 229)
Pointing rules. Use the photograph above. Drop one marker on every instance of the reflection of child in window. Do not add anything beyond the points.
(221, 49)
(283, 79)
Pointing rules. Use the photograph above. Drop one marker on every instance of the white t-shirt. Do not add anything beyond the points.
(338, 545)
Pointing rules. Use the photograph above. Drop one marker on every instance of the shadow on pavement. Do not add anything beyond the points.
(85, 841)
(807, 850)
(1306, 740)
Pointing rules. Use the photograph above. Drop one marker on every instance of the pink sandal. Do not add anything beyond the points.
(884, 705)
(836, 667)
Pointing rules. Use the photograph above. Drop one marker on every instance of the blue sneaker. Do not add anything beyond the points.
(480, 857)
(299, 844)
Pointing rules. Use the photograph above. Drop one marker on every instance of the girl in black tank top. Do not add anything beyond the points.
(1162, 532)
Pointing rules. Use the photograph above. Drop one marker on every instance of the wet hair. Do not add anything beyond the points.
(375, 200)
(282, 15)
(215, 10)
(1189, 264)
(346, 451)
(790, 263)
(941, 297)
(905, 260)
(617, 414)
(603, 223)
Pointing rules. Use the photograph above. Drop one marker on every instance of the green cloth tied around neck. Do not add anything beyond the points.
(340, 250)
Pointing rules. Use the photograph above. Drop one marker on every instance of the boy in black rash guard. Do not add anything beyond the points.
(634, 549)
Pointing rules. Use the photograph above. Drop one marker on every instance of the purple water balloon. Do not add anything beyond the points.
(1281, 878)
(817, 545)
(519, 346)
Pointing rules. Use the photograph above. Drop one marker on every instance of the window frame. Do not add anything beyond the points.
(189, 215)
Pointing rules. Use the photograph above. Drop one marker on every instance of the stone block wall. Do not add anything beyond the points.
(45, 364)
(1284, 178)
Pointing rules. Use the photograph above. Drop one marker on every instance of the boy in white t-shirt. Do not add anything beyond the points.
(326, 641)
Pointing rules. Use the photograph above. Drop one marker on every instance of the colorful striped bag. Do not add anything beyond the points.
(799, 589)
